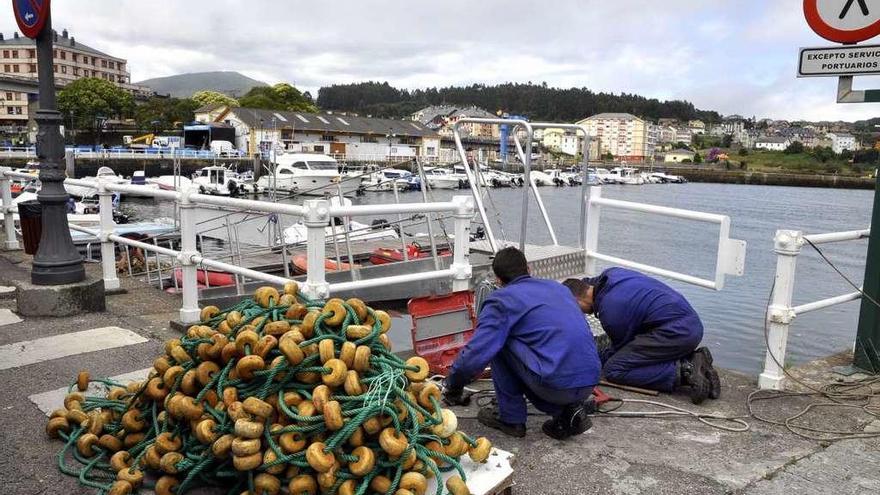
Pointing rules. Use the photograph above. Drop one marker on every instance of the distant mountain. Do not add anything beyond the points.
(184, 85)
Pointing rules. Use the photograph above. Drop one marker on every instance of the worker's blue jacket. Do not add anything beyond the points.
(629, 303)
(539, 322)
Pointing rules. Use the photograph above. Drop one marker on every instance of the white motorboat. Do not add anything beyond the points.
(541, 178)
(171, 182)
(627, 176)
(308, 174)
(664, 178)
(443, 178)
(385, 179)
(298, 232)
(221, 181)
(104, 173)
(604, 176)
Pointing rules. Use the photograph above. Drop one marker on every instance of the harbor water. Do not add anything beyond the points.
(733, 317)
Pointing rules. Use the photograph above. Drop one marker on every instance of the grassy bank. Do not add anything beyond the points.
(806, 162)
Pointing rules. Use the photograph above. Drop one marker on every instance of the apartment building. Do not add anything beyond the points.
(72, 60)
(624, 135)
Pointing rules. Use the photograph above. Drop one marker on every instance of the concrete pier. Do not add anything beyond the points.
(617, 456)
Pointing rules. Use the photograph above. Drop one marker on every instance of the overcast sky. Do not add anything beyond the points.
(732, 56)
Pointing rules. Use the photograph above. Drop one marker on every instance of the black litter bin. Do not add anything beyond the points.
(30, 214)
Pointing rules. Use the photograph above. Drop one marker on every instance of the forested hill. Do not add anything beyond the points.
(537, 102)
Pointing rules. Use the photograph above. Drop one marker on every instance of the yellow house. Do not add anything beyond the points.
(678, 156)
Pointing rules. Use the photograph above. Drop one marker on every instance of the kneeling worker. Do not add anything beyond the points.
(540, 348)
(654, 334)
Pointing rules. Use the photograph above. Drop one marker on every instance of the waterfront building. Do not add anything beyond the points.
(772, 143)
(340, 135)
(678, 155)
(683, 135)
(842, 142)
(561, 140)
(733, 125)
(623, 135)
(72, 60)
(666, 134)
(441, 118)
(697, 127)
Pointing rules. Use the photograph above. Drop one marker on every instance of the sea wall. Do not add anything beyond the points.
(88, 167)
(772, 179)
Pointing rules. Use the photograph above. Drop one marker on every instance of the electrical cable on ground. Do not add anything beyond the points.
(858, 394)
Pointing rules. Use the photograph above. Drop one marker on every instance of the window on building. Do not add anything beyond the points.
(15, 68)
(63, 55)
(10, 110)
(55, 53)
(75, 71)
(6, 68)
(104, 64)
(110, 65)
(32, 54)
(328, 137)
(14, 53)
(17, 110)
(85, 59)
(75, 57)
(55, 67)
(32, 68)
(9, 96)
(369, 139)
(64, 69)
(5, 53)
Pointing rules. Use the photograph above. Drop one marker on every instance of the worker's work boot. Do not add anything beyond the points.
(711, 373)
(573, 420)
(489, 416)
(692, 375)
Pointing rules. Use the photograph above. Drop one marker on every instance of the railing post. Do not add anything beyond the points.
(316, 218)
(189, 310)
(108, 254)
(787, 245)
(11, 242)
(461, 265)
(591, 237)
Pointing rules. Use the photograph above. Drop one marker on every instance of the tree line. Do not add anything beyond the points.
(536, 101)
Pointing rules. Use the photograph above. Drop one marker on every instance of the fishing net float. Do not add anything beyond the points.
(278, 391)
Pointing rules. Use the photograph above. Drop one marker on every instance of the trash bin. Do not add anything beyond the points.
(30, 214)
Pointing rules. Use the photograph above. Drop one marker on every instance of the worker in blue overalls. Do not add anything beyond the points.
(540, 347)
(654, 333)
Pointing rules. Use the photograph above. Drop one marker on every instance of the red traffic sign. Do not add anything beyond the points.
(31, 16)
(844, 21)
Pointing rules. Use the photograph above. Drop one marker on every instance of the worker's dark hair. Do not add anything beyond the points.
(509, 263)
(577, 286)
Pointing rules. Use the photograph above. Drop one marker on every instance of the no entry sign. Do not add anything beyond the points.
(31, 15)
(844, 21)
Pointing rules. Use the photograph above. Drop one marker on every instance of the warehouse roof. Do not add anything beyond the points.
(325, 122)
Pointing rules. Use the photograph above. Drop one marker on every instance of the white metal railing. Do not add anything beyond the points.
(780, 313)
(731, 252)
(316, 215)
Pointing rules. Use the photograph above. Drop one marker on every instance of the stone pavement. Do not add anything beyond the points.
(618, 455)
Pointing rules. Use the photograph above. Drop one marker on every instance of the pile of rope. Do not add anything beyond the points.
(278, 390)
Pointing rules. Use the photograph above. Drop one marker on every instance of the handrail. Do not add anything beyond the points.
(780, 312)
(317, 214)
(731, 252)
(474, 184)
(584, 183)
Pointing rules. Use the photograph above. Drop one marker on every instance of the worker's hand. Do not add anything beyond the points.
(455, 397)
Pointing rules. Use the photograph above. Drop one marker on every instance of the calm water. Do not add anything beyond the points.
(733, 317)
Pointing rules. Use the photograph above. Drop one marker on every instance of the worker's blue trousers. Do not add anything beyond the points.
(650, 359)
(514, 382)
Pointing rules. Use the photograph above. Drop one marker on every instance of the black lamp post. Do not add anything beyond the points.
(57, 260)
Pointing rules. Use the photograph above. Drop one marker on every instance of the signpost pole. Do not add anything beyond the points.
(866, 355)
(57, 261)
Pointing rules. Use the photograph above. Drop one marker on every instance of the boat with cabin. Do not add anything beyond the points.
(309, 174)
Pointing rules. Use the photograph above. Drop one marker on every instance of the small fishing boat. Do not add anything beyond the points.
(208, 278)
(384, 256)
(301, 265)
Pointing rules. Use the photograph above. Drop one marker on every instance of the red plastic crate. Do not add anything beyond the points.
(441, 326)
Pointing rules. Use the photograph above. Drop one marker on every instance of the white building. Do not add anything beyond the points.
(562, 141)
(683, 135)
(697, 127)
(842, 141)
(772, 143)
(332, 134)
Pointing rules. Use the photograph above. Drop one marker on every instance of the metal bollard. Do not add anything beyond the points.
(316, 218)
(461, 266)
(189, 311)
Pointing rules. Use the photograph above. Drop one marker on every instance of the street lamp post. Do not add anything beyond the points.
(57, 260)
